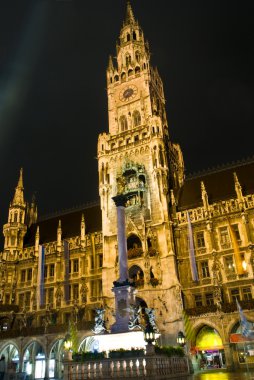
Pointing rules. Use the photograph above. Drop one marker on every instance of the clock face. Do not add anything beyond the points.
(128, 93)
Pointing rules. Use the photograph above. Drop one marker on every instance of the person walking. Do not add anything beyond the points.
(2, 367)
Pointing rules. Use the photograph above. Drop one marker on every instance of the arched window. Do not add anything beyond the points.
(15, 217)
(127, 59)
(123, 123)
(161, 158)
(116, 78)
(123, 77)
(130, 72)
(136, 118)
(137, 56)
(134, 36)
(137, 70)
(128, 37)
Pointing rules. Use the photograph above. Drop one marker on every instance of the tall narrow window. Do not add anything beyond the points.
(224, 237)
(123, 123)
(200, 239)
(136, 118)
(205, 269)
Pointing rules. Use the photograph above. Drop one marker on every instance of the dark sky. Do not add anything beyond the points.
(53, 57)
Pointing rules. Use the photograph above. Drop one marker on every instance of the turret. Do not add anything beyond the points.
(238, 189)
(82, 231)
(59, 237)
(15, 230)
(204, 197)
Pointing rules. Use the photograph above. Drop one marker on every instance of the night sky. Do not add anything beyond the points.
(53, 104)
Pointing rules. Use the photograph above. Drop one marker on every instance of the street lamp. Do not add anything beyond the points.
(181, 339)
(149, 337)
(67, 347)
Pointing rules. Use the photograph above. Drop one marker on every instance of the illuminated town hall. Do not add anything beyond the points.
(189, 240)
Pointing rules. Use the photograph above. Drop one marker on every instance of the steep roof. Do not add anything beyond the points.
(70, 224)
(219, 184)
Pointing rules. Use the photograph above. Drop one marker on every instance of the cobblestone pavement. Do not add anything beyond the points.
(220, 375)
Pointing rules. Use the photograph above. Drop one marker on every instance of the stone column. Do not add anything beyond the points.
(229, 356)
(120, 201)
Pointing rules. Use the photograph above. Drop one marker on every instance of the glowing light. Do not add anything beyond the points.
(244, 265)
(208, 339)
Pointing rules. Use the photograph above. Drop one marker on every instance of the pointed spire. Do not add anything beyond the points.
(129, 19)
(37, 241)
(238, 188)
(18, 198)
(59, 237)
(83, 231)
(110, 63)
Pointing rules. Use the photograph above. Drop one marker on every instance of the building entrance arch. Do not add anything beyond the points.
(209, 349)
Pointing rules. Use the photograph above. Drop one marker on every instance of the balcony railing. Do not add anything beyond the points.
(227, 307)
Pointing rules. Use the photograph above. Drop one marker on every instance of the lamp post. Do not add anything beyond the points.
(67, 347)
(181, 340)
(149, 337)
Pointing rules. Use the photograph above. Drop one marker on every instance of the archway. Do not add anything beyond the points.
(136, 274)
(55, 359)
(243, 345)
(209, 348)
(11, 354)
(34, 363)
(134, 246)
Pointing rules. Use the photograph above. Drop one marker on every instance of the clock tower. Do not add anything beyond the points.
(137, 159)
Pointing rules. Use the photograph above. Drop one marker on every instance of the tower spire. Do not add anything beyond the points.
(129, 19)
(18, 198)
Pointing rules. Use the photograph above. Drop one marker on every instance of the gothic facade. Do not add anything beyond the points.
(189, 240)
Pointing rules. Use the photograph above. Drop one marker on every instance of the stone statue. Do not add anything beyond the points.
(99, 326)
(151, 318)
(134, 320)
(121, 182)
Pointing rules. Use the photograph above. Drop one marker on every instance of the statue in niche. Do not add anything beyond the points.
(58, 295)
(121, 183)
(83, 291)
(99, 319)
(134, 320)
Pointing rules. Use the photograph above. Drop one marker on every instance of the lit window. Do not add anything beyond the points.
(200, 239)
(205, 269)
(229, 264)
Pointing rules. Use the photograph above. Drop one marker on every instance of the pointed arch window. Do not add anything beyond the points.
(134, 36)
(116, 78)
(128, 59)
(123, 123)
(137, 70)
(123, 77)
(137, 56)
(15, 217)
(136, 118)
